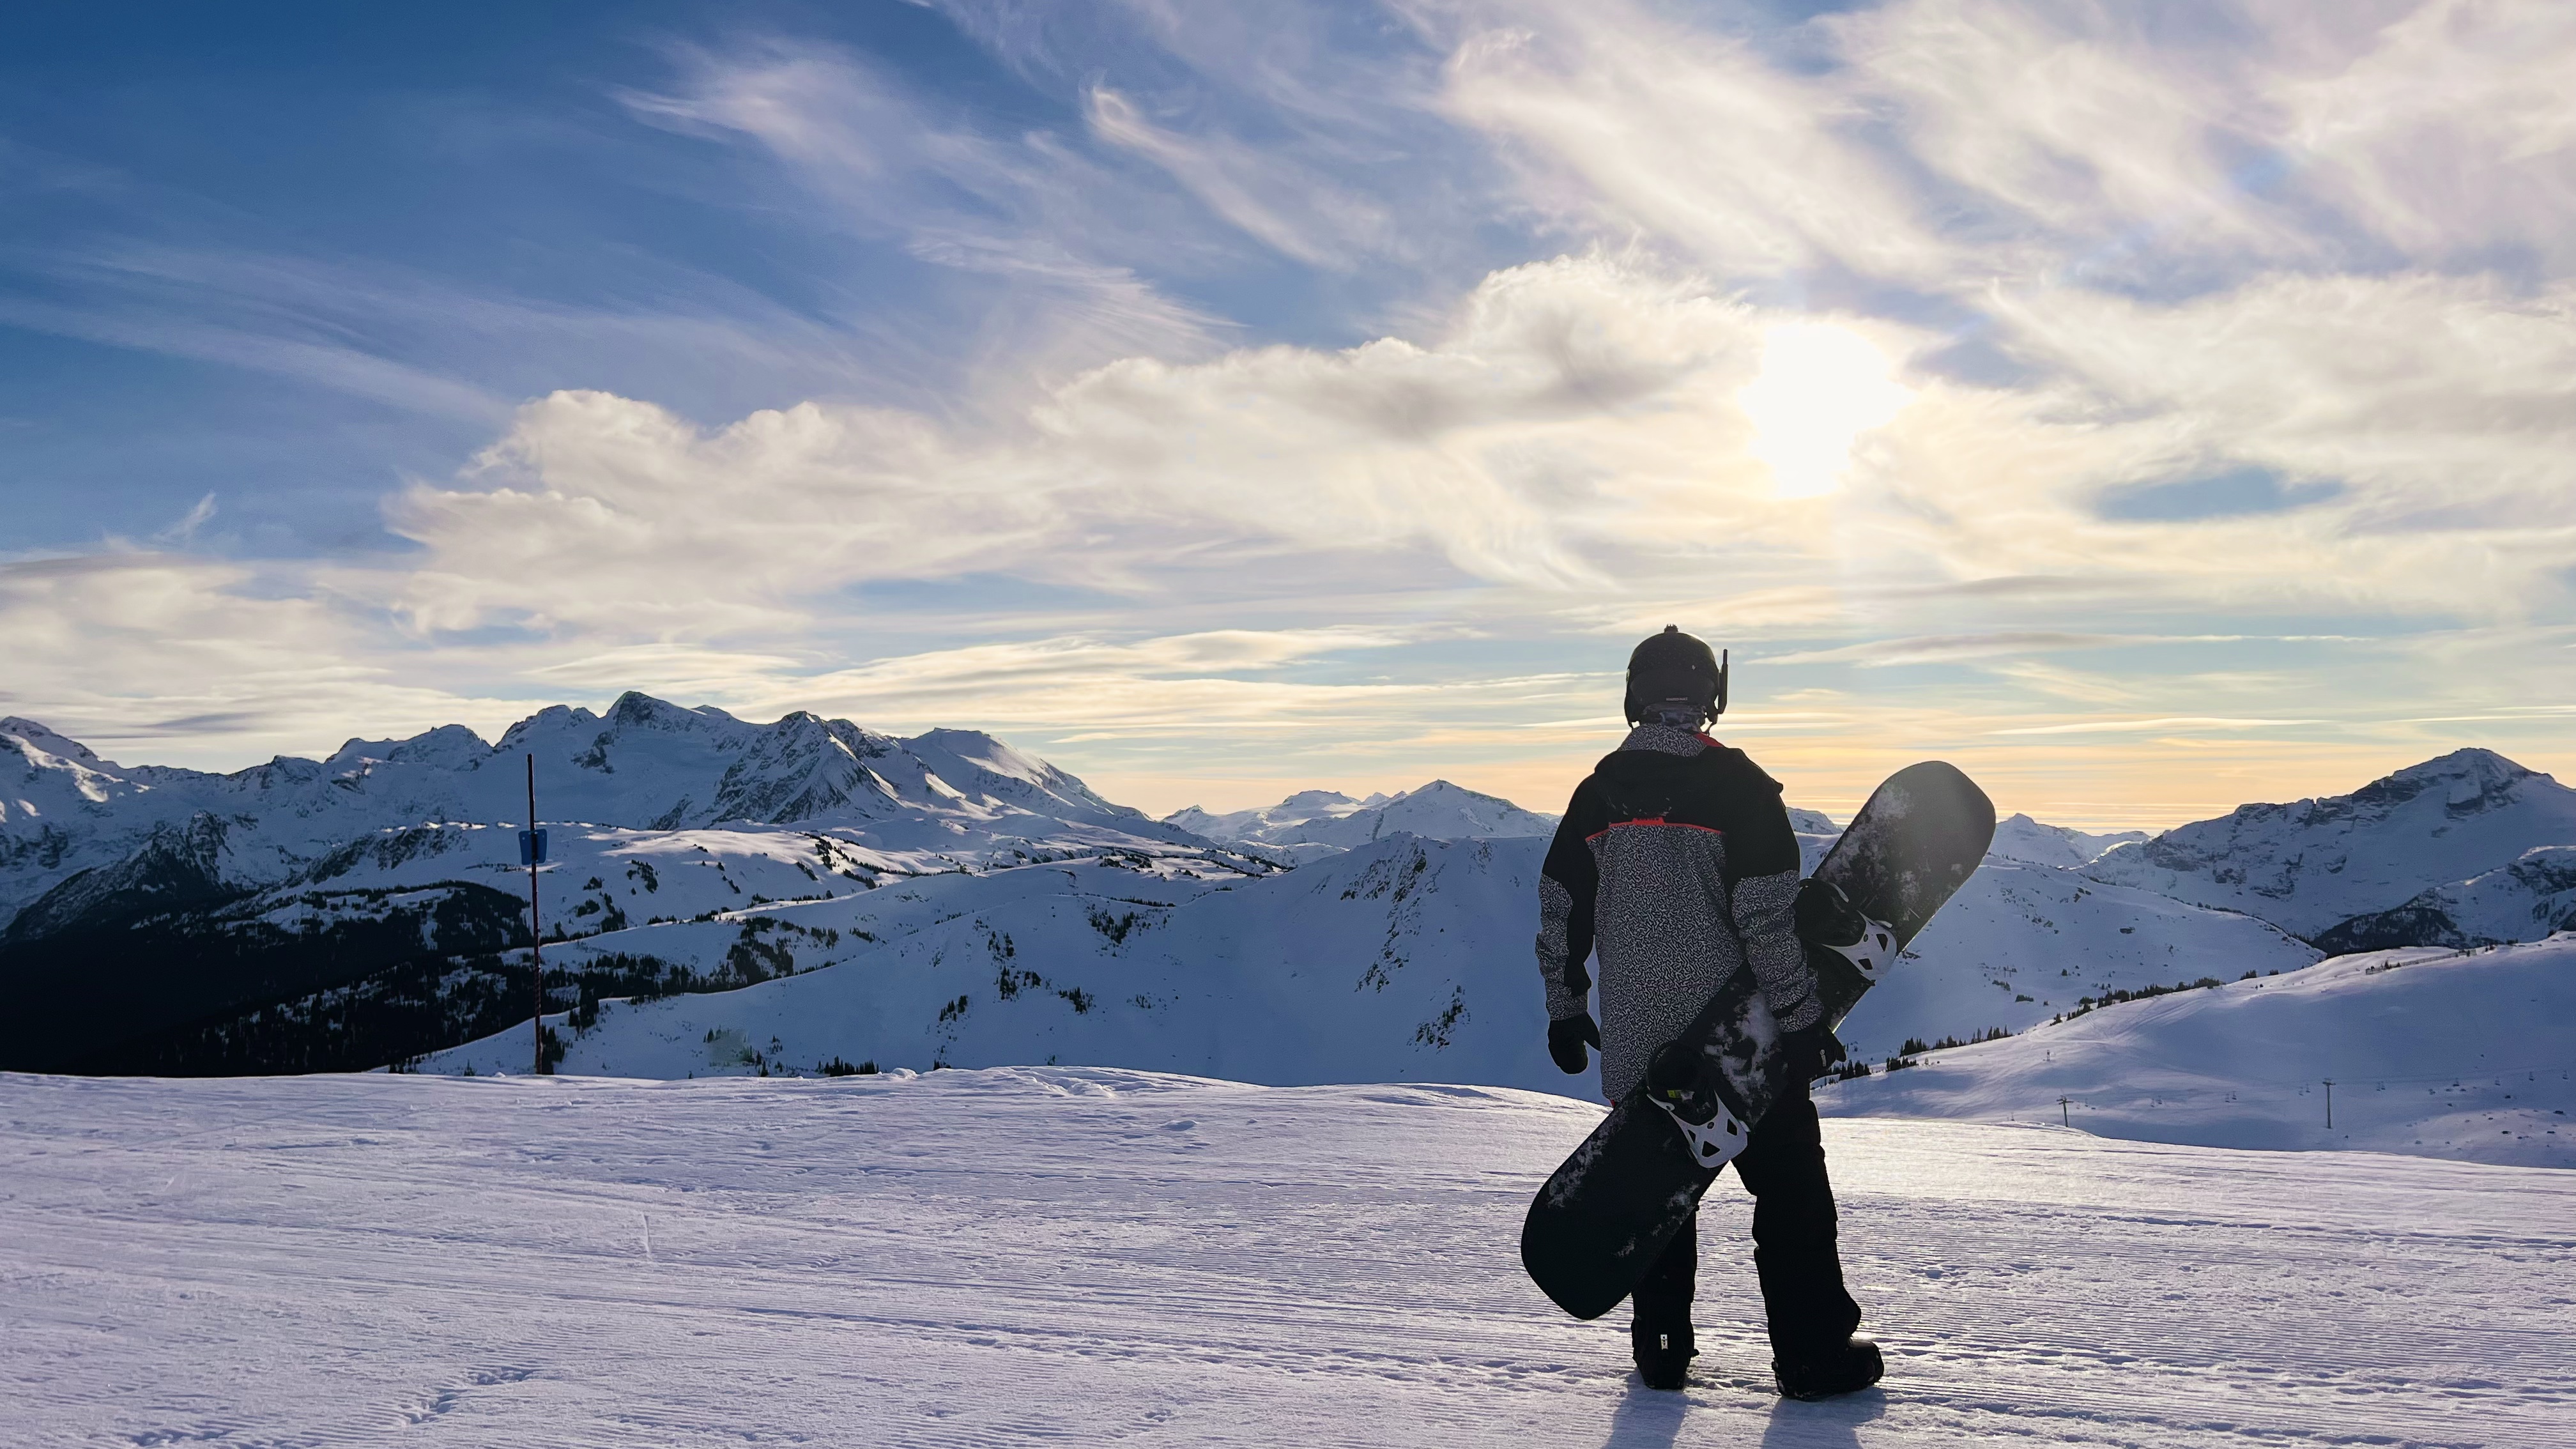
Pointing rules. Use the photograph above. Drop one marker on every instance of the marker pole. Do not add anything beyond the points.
(536, 940)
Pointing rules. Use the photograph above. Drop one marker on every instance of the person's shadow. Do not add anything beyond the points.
(1826, 1424)
(1647, 1418)
(1651, 1419)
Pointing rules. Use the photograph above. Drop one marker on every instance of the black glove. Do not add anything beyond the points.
(1810, 1053)
(1565, 1039)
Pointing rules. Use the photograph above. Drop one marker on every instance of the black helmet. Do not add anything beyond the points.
(1672, 667)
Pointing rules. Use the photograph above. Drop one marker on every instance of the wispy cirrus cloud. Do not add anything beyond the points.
(2174, 724)
(1937, 649)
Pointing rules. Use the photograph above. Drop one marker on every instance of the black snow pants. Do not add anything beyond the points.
(1794, 1252)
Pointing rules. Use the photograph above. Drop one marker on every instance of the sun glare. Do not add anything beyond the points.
(1820, 388)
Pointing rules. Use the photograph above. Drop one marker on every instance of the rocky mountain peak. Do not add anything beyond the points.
(637, 710)
(2470, 780)
(44, 738)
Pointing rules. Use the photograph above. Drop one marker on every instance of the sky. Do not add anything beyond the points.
(2148, 406)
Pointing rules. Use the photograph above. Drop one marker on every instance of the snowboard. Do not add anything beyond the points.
(1604, 1216)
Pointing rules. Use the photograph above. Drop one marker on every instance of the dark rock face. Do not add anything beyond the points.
(178, 868)
(2390, 930)
(2525, 901)
(110, 988)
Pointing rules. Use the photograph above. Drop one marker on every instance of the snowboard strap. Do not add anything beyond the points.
(1713, 1144)
(1827, 918)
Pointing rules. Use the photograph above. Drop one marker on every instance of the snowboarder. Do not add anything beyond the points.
(1676, 860)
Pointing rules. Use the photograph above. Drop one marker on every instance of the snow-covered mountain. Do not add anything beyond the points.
(1812, 822)
(2528, 899)
(645, 765)
(1402, 959)
(1268, 823)
(216, 891)
(2432, 1052)
(735, 898)
(1437, 811)
(2018, 837)
(2333, 870)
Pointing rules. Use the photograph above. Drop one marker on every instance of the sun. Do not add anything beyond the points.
(1820, 388)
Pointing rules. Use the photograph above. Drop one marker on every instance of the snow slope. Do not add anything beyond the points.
(2432, 1052)
(1090, 1257)
(2021, 943)
(2523, 901)
(1405, 959)
(2312, 866)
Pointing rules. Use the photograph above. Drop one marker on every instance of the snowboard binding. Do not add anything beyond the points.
(1685, 1084)
(1827, 918)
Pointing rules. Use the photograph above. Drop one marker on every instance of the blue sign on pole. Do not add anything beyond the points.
(532, 847)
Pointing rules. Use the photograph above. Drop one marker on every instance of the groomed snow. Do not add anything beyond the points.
(1029, 1255)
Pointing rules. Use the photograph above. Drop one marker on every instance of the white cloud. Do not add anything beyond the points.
(2175, 724)
(2451, 132)
(1580, 425)
(1305, 217)
(2084, 131)
(612, 516)
(1625, 116)
(1573, 409)
(889, 162)
(184, 532)
(167, 658)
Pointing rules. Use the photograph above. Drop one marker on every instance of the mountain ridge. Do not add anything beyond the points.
(213, 892)
(1329, 818)
(2313, 866)
(301, 914)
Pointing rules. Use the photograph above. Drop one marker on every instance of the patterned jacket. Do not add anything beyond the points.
(1676, 860)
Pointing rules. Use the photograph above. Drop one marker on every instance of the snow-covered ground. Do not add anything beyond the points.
(2433, 1052)
(1017, 1256)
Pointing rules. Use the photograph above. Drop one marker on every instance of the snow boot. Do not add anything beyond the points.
(1845, 1369)
(1659, 1334)
(1663, 1352)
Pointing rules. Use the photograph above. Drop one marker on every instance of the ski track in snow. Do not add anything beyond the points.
(1097, 1256)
